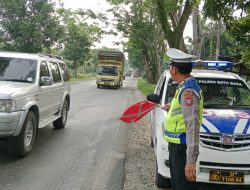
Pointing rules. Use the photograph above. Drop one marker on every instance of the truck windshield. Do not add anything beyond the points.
(218, 93)
(108, 70)
(17, 70)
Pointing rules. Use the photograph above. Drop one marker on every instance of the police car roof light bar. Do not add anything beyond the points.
(219, 65)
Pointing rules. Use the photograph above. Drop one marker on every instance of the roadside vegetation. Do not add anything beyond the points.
(220, 31)
(145, 86)
(89, 76)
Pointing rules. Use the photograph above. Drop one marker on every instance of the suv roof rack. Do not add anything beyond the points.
(51, 56)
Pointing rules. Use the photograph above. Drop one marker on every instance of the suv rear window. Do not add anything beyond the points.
(65, 72)
(17, 70)
(55, 72)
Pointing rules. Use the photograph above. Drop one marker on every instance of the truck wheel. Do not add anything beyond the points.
(160, 181)
(21, 145)
(98, 86)
(61, 122)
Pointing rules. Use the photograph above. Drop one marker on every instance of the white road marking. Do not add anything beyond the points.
(85, 90)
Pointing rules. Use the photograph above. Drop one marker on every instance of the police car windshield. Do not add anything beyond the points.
(17, 70)
(219, 93)
(224, 93)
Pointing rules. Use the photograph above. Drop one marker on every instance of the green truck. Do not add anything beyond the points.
(110, 69)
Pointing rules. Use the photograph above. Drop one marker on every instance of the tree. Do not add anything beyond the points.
(173, 16)
(76, 41)
(197, 41)
(238, 27)
(240, 31)
(146, 41)
(28, 25)
(77, 45)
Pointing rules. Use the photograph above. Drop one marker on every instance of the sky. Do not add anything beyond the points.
(102, 6)
(98, 6)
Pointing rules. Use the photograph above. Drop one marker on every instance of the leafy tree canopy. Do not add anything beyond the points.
(223, 9)
(237, 26)
(28, 25)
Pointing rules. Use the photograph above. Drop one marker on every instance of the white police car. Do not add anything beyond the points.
(225, 132)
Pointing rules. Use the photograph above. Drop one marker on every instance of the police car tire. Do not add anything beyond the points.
(160, 181)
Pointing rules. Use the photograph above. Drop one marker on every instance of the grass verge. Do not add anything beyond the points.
(80, 77)
(145, 87)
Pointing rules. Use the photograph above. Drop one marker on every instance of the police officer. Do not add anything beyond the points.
(183, 121)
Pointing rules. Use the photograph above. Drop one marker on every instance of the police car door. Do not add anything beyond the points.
(157, 115)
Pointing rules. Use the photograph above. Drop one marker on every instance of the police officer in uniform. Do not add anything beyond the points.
(183, 121)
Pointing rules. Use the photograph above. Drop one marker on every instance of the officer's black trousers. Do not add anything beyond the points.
(177, 162)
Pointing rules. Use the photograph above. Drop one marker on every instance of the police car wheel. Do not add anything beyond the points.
(160, 181)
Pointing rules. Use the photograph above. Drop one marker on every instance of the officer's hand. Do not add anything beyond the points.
(190, 172)
(166, 107)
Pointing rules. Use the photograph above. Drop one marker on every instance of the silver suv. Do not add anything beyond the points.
(34, 92)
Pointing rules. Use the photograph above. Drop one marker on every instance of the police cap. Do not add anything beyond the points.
(177, 56)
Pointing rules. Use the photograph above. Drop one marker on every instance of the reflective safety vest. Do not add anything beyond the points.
(175, 128)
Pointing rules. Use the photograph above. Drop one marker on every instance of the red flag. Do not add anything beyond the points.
(137, 111)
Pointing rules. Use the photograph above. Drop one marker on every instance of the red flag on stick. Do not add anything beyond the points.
(137, 111)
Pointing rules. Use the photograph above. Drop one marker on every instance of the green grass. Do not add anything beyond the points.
(80, 77)
(145, 87)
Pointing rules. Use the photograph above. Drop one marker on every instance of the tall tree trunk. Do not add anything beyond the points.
(148, 70)
(75, 69)
(160, 60)
(196, 33)
(173, 35)
(217, 52)
(210, 47)
(183, 45)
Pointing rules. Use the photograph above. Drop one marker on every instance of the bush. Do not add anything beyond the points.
(145, 87)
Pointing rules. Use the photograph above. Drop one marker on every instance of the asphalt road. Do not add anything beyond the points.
(88, 154)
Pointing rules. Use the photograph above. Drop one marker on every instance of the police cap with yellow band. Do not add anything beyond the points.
(177, 56)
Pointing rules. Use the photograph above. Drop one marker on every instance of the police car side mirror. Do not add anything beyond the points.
(153, 98)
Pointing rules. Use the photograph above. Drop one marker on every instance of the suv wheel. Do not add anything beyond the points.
(160, 181)
(61, 122)
(21, 145)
